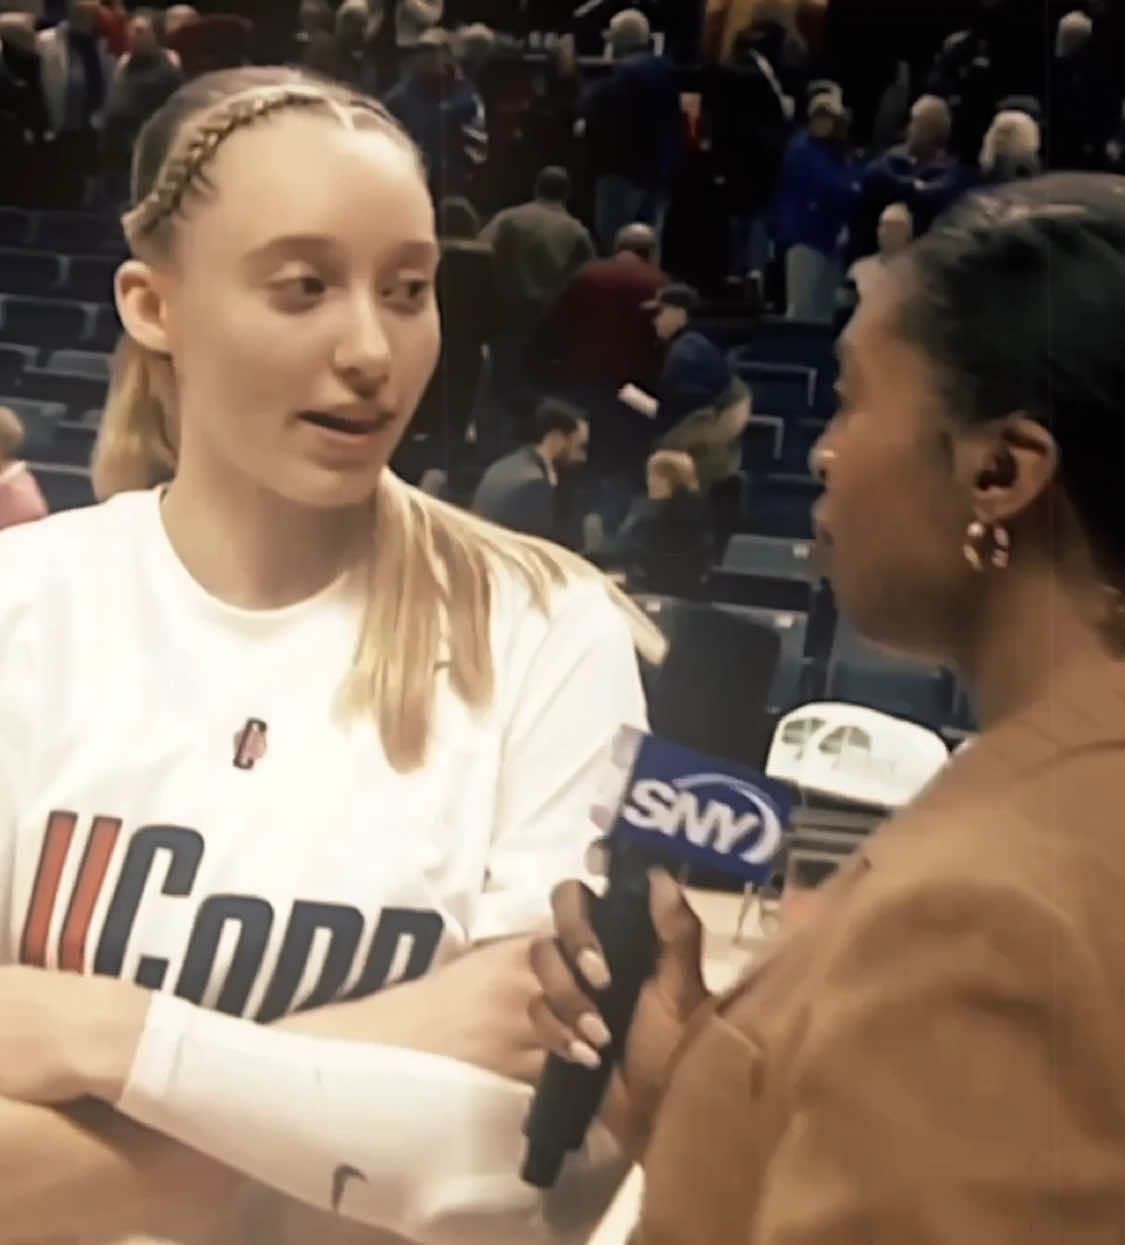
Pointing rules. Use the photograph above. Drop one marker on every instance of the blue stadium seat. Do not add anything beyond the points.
(90, 278)
(81, 363)
(106, 331)
(73, 444)
(64, 488)
(864, 675)
(13, 359)
(790, 685)
(43, 322)
(15, 227)
(778, 388)
(29, 272)
(39, 420)
(800, 437)
(76, 392)
(781, 505)
(763, 443)
(770, 555)
(72, 233)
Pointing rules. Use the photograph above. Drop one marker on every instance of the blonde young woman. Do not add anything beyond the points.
(283, 731)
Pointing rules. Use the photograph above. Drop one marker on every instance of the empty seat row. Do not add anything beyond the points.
(56, 323)
(71, 233)
(88, 278)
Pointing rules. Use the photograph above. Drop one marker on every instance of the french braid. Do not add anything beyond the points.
(185, 165)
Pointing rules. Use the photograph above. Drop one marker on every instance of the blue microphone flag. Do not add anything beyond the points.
(700, 810)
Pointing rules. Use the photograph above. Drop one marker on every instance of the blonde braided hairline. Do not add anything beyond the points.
(183, 166)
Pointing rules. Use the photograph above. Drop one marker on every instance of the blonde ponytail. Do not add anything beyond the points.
(430, 583)
(135, 446)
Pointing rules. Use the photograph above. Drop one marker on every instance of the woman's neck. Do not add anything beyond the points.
(253, 548)
(1031, 629)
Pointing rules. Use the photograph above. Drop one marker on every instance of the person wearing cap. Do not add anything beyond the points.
(443, 113)
(817, 193)
(695, 372)
(635, 130)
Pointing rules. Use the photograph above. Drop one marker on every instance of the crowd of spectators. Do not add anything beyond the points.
(767, 153)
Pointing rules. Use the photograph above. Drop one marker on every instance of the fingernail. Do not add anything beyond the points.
(579, 1052)
(593, 968)
(593, 1029)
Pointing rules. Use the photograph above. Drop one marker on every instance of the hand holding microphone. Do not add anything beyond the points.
(624, 972)
(567, 1012)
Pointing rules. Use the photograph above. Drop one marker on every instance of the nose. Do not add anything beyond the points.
(821, 458)
(363, 355)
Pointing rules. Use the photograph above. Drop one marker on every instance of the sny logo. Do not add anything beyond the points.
(250, 744)
(713, 818)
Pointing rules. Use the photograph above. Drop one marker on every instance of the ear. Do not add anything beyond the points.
(142, 305)
(1007, 466)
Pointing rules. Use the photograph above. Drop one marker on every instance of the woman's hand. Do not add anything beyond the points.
(475, 1009)
(565, 1012)
(64, 1036)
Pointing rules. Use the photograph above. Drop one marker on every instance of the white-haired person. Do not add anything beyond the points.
(20, 498)
(278, 731)
(1011, 148)
(896, 232)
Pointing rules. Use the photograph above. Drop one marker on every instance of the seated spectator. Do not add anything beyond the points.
(314, 22)
(20, 498)
(444, 114)
(519, 490)
(1011, 149)
(146, 76)
(817, 193)
(896, 232)
(634, 129)
(921, 173)
(666, 542)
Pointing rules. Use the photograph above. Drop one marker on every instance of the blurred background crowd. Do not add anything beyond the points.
(654, 219)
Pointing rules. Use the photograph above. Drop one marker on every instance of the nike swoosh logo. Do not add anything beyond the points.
(341, 1177)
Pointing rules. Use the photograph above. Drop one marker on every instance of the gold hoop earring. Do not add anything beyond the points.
(987, 545)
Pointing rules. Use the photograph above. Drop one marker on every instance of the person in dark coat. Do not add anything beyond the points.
(635, 131)
(749, 117)
(921, 173)
(146, 76)
(467, 306)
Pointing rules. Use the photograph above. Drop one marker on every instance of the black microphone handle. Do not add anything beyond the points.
(569, 1096)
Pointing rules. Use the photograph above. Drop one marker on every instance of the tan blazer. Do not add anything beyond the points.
(938, 1056)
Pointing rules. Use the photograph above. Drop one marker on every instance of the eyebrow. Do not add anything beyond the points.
(419, 250)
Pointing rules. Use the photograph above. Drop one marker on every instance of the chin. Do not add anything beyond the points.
(320, 488)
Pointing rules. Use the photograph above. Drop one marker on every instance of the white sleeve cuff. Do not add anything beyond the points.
(420, 1144)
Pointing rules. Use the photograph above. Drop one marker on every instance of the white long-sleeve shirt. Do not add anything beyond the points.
(150, 830)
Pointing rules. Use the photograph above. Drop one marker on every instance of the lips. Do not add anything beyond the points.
(344, 423)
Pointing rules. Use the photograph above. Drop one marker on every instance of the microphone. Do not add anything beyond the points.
(670, 803)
